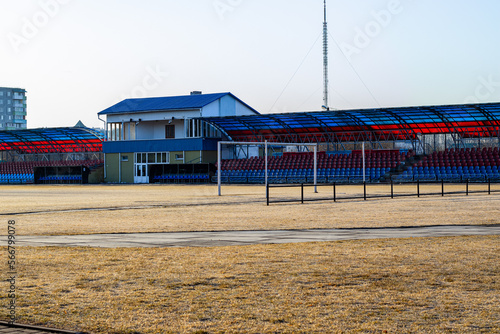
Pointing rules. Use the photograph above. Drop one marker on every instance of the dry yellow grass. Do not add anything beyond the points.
(59, 210)
(417, 285)
(430, 285)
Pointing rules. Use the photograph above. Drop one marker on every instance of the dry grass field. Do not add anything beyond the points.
(63, 210)
(419, 285)
(422, 285)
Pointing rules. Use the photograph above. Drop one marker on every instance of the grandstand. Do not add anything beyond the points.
(451, 143)
(455, 165)
(149, 136)
(164, 141)
(345, 166)
(55, 155)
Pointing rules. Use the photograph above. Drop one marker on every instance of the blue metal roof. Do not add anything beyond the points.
(187, 102)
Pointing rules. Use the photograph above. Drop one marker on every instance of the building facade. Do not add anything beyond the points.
(13, 109)
(149, 134)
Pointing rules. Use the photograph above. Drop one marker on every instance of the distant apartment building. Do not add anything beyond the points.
(12, 108)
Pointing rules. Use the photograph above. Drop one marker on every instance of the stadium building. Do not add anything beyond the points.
(166, 135)
(174, 139)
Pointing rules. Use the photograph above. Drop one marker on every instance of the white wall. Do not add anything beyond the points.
(212, 110)
(226, 106)
(243, 110)
(144, 130)
(156, 130)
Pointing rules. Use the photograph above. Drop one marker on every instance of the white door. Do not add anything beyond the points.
(141, 173)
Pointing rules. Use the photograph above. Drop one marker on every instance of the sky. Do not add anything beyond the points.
(76, 58)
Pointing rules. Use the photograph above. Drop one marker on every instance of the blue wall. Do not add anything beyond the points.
(164, 145)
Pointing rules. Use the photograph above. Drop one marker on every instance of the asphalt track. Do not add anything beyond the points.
(240, 238)
(24, 329)
(236, 238)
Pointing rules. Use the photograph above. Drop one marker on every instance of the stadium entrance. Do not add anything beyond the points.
(141, 173)
(144, 161)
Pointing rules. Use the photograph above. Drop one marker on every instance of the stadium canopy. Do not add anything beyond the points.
(384, 124)
(51, 140)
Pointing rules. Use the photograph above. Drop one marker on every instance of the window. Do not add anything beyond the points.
(124, 158)
(196, 128)
(114, 131)
(170, 131)
(161, 158)
(140, 158)
(179, 156)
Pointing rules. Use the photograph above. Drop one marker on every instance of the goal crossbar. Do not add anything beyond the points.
(266, 145)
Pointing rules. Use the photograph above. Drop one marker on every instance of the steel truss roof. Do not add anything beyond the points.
(51, 140)
(385, 124)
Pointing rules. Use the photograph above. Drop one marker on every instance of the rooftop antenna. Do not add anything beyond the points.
(325, 62)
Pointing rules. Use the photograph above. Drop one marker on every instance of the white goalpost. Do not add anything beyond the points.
(266, 145)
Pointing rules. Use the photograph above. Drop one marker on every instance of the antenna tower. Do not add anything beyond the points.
(325, 62)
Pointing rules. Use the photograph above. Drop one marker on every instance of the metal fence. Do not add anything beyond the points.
(419, 190)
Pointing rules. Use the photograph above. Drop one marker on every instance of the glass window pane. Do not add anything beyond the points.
(151, 158)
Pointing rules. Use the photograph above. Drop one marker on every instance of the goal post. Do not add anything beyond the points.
(266, 145)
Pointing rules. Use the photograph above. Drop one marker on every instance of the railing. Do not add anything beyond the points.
(232, 179)
(182, 178)
(418, 191)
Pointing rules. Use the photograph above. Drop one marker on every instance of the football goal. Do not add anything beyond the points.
(257, 147)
